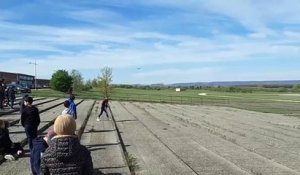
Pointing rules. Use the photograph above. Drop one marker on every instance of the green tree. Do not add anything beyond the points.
(78, 84)
(105, 81)
(88, 85)
(61, 81)
(95, 82)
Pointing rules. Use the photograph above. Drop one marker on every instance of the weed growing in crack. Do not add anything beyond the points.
(132, 163)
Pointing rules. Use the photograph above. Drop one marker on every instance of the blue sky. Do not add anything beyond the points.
(171, 41)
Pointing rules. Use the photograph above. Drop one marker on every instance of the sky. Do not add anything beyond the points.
(153, 41)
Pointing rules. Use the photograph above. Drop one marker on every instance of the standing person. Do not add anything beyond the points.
(2, 93)
(11, 96)
(72, 107)
(21, 104)
(30, 120)
(104, 106)
(7, 95)
(9, 149)
(40, 144)
(65, 154)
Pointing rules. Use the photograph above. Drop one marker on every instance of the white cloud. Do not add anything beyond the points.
(135, 44)
(137, 50)
(98, 16)
(177, 75)
(256, 16)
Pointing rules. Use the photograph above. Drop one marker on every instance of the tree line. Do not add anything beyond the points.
(231, 89)
(63, 81)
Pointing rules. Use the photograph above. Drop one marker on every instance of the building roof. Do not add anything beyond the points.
(1, 72)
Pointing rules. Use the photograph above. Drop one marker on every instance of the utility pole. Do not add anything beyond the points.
(35, 83)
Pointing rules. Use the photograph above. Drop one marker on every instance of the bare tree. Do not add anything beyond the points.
(105, 81)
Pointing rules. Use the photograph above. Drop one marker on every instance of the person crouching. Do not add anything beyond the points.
(8, 149)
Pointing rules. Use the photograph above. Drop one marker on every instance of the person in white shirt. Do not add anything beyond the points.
(67, 109)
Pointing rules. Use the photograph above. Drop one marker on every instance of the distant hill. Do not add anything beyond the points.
(235, 83)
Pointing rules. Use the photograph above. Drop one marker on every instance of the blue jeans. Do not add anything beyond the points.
(31, 133)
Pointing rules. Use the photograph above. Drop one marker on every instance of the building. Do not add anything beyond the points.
(21, 79)
(43, 83)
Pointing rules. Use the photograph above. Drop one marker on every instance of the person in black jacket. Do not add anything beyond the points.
(11, 96)
(21, 103)
(65, 154)
(6, 96)
(104, 107)
(40, 144)
(30, 120)
(9, 149)
(2, 93)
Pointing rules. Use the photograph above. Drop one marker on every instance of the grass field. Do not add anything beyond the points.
(268, 102)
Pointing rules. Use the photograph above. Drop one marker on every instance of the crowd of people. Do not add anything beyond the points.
(7, 95)
(59, 151)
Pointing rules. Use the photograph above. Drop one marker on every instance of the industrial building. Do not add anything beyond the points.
(23, 80)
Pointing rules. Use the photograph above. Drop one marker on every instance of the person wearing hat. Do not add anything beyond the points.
(65, 154)
(30, 120)
(40, 144)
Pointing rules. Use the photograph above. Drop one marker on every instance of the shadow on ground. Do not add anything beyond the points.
(99, 172)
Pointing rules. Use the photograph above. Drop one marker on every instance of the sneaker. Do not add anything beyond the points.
(9, 157)
(98, 119)
(20, 152)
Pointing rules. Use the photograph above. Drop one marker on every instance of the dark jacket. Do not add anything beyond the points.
(65, 155)
(2, 89)
(12, 93)
(5, 142)
(30, 116)
(22, 106)
(39, 147)
(104, 103)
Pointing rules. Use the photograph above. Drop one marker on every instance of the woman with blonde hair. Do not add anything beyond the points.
(65, 155)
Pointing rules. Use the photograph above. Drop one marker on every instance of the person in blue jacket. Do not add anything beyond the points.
(40, 144)
(72, 107)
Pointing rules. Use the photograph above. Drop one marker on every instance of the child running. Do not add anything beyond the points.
(104, 106)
